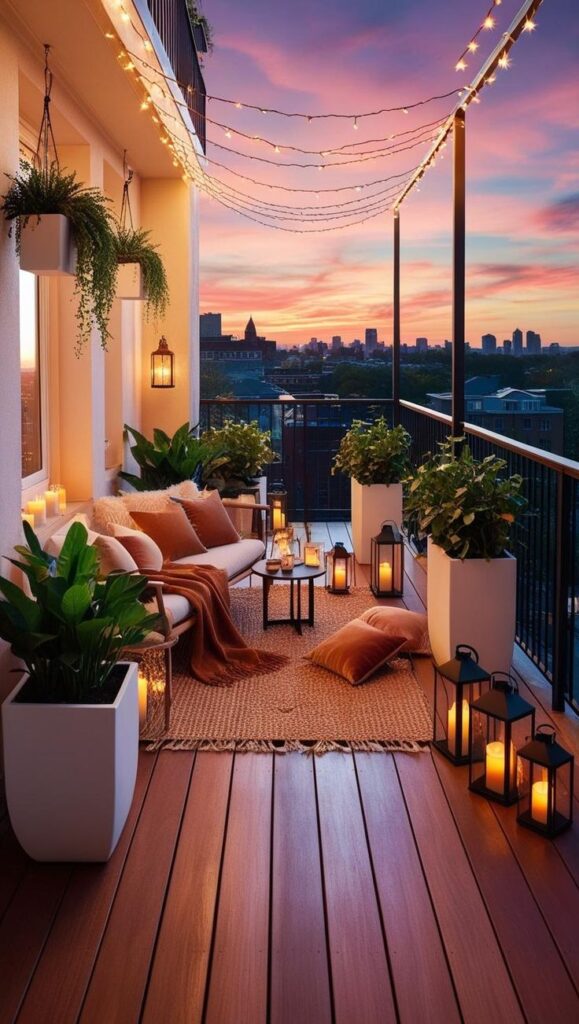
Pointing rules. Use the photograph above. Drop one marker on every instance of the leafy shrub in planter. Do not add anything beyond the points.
(467, 507)
(133, 246)
(34, 192)
(240, 452)
(374, 453)
(70, 633)
(166, 460)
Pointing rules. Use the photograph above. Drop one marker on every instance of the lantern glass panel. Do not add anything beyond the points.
(545, 794)
(494, 745)
(338, 570)
(277, 501)
(450, 728)
(387, 562)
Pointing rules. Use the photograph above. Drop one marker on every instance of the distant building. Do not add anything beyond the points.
(210, 325)
(489, 344)
(448, 346)
(242, 361)
(523, 415)
(555, 348)
(517, 342)
(422, 344)
(507, 347)
(533, 343)
(370, 340)
(336, 343)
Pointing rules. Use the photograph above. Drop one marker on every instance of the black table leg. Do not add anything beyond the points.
(265, 596)
(310, 602)
(298, 622)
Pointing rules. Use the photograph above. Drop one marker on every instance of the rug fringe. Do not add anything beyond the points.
(311, 748)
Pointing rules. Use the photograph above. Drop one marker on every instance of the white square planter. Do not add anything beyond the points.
(70, 773)
(474, 602)
(371, 505)
(130, 281)
(46, 245)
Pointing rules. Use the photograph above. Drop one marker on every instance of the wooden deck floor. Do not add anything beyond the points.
(250, 888)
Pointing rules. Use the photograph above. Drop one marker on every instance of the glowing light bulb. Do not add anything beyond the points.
(277, 149)
(130, 66)
(145, 105)
(473, 46)
(320, 167)
(147, 46)
(227, 133)
(489, 22)
(529, 25)
(109, 35)
(264, 111)
(238, 105)
(404, 110)
(460, 65)
(125, 16)
(155, 119)
(504, 61)
(491, 79)
(175, 163)
(358, 188)
(355, 125)
(309, 119)
(164, 139)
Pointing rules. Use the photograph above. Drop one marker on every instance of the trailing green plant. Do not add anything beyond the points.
(239, 452)
(198, 18)
(35, 192)
(467, 507)
(133, 246)
(70, 633)
(373, 453)
(167, 460)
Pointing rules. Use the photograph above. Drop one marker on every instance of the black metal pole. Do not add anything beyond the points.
(562, 623)
(458, 273)
(396, 324)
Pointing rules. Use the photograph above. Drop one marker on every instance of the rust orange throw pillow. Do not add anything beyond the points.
(208, 517)
(400, 622)
(146, 553)
(171, 531)
(356, 651)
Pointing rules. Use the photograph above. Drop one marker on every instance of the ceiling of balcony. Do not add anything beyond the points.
(85, 66)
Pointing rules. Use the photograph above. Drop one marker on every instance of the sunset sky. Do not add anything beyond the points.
(522, 167)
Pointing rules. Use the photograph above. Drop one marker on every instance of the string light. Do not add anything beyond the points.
(504, 61)
(529, 25)
(488, 22)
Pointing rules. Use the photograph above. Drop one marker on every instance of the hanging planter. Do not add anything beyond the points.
(62, 227)
(141, 273)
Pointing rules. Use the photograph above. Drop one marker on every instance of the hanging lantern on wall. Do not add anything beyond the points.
(277, 501)
(338, 569)
(163, 366)
(500, 721)
(387, 562)
(545, 782)
(456, 683)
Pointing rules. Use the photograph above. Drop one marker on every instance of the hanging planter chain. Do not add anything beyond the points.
(126, 200)
(46, 134)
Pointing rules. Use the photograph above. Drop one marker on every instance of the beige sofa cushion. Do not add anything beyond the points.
(176, 606)
(234, 558)
(108, 511)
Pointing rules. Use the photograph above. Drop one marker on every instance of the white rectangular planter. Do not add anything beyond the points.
(474, 602)
(46, 245)
(70, 773)
(371, 505)
(130, 281)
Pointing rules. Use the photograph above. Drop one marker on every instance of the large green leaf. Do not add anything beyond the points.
(76, 602)
(27, 608)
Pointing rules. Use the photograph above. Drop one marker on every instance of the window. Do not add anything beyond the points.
(31, 391)
(545, 424)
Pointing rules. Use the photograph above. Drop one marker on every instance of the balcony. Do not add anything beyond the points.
(182, 43)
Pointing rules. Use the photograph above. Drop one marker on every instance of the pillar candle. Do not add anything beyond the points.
(385, 576)
(495, 766)
(37, 506)
(339, 575)
(61, 498)
(278, 518)
(142, 700)
(52, 503)
(540, 801)
(452, 740)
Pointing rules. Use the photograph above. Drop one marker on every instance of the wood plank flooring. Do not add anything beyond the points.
(281, 889)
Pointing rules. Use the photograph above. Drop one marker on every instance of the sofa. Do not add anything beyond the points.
(236, 559)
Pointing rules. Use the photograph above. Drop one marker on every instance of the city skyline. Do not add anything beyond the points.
(522, 201)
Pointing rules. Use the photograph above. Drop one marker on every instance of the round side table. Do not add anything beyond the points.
(298, 575)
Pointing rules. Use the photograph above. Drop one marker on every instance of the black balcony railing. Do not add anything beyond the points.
(174, 28)
(306, 435)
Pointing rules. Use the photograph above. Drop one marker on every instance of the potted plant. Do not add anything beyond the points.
(200, 26)
(63, 227)
(240, 451)
(167, 460)
(467, 508)
(375, 457)
(141, 273)
(71, 725)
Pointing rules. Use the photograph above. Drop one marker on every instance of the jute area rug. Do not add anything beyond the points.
(301, 707)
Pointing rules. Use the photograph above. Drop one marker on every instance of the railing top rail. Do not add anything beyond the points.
(296, 401)
(556, 462)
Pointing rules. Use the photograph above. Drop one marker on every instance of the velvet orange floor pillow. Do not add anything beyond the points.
(356, 651)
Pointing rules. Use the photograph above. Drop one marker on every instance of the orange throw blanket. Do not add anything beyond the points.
(218, 654)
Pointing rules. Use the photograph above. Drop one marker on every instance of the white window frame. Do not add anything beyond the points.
(38, 482)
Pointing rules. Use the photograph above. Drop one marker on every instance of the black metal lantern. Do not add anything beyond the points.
(387, 562)
(545, 778)
(338, 569)
(456, 683)
(500, 721)
(163, 366)
(277, 501)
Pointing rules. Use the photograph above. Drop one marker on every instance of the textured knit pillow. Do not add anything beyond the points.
(171, 531)
(210, 520)
(356, 651)
(146, 553)
(400, 622)
(113, 556)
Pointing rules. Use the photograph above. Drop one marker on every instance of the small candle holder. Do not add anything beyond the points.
(456, 683)
(287, 562)
(312, 555)
(545, 783)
